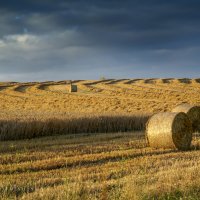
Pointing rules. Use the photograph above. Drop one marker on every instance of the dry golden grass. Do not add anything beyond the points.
(90, 165)
(97, 166)
(118, 102)
(27, 128)
(98, 97)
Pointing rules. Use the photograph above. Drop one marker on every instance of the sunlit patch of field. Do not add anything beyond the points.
(97, 166)
(43, 101)
(106, 96)
(95, 149)
(95, 97)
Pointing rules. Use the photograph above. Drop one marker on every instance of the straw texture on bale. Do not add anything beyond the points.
(73, 88)
(193, 112)
(169, 130)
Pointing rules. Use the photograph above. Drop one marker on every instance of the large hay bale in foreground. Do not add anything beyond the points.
(193, 112)
(169, 130)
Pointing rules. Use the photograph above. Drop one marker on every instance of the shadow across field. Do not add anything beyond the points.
(86, 161)
(32, 128)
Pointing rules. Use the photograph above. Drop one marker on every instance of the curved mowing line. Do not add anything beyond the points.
(42, 86)
(197, 80)
(68, 81)
(167, 80)
(118, 93)
(186, 87)
(8, 90)
(155, 87)
(150, 80)
(5, 87)
(60, 88)
(30, 90)
(82, 90)
(45, 85)
(132, 81)
(15, 96)
(131, 91)
(116, 81)
(43, 90)
(81, 84)
(47, 88)
(97, 82)
(164, 80)
(93, 160)
(23, 88)
(185, 80)
(95, 93)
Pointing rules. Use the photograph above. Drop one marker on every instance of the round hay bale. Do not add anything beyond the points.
(169, 130)
(193, 112)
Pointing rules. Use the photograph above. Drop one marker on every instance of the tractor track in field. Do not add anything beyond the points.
(116, 81)
(108, 90)
(91, 93)
(170, 88)
(127, 94)
(23, 88)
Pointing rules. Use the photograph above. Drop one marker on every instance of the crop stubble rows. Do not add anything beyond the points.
(93, 166)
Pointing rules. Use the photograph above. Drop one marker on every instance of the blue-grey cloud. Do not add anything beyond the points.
(88, 39)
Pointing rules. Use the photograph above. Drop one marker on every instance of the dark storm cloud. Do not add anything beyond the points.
(111, 38)
(137, 23)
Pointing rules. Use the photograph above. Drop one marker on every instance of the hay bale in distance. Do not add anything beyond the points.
(193, 113)
(169, 130)
(73, 88)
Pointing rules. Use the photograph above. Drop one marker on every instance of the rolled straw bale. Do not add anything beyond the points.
(73, 88)
(193, 113)
(169, 130)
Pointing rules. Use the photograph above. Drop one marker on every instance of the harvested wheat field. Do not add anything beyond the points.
(90, 144)
(97, 166)
(132, 96)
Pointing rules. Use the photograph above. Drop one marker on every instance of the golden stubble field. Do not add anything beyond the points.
(93, 165)
(97, 97)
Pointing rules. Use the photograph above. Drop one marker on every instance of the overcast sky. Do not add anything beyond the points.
(88, 39)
